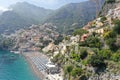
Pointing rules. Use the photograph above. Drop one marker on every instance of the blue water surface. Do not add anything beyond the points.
(14, 67)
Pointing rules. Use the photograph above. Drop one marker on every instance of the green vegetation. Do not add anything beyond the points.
(97, 61)
(93, 42)
(58, 40)
(105, 53)
(103, 19)
(67, 70)
(110, 39)
(110, 1)
(109, 34)
(59, 59)
(75, 56)
(76, 72)
(6, 43)
(96, 51)
(80, 32)
(83, 53)
(117, 26)
(116, 57)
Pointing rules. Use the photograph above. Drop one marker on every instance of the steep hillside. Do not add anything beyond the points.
(109, 4)
(76, 14)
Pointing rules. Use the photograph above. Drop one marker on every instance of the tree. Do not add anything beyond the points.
(75, 56)
(58, 40)
(103, 19)
(109, 34)
(6, 43)
(80, 32)
(116, 57)
(83, 53)
(68, 69)
(96, 61)
(92, 41)
(111, 42)
(117, 26)
(110, 39)
(105, 53)
(76, 72)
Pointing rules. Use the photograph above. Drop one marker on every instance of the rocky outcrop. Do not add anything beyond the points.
(105, 76)
(107, 6)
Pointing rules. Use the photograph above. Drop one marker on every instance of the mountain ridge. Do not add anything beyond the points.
(63, 17)
(24, 15)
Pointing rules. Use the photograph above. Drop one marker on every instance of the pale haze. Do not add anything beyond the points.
(48, 4)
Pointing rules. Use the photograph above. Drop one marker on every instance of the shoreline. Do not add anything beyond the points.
(37, 62)
(34, 69)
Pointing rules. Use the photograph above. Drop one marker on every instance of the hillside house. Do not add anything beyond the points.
(99, 24)
(36, 39)
(83, 37)
(74, 39)
(100, 31)
(49, 48)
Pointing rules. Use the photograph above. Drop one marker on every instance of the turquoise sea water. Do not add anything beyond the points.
(14, 67)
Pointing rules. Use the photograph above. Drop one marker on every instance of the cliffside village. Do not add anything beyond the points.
(33, 38)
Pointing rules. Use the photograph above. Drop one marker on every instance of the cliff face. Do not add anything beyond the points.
(107, 6)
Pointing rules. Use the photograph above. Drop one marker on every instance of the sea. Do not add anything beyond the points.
(15, 67)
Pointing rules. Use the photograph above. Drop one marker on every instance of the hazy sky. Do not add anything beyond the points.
(49, 4)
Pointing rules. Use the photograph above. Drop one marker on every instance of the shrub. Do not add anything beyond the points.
(75, 56)
(103, 19)
(110, 1)
(109, 34)
(116, 57)
(93, 42)
(83, 53)
(76, 72)
(105, 53)
(117, 26)
(96, 61)
(68, 69)
(111, 42)
(58, 40)
(80, 32)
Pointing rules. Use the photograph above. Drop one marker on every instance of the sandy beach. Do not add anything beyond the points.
(40, 68)
(27, 55)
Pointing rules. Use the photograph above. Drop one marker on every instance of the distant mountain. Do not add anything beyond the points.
(22, 15)
(30, 11)
(11, 21)
(68, 17)
(74, 13)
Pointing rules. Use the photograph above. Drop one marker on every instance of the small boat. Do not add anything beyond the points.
(16, 52)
